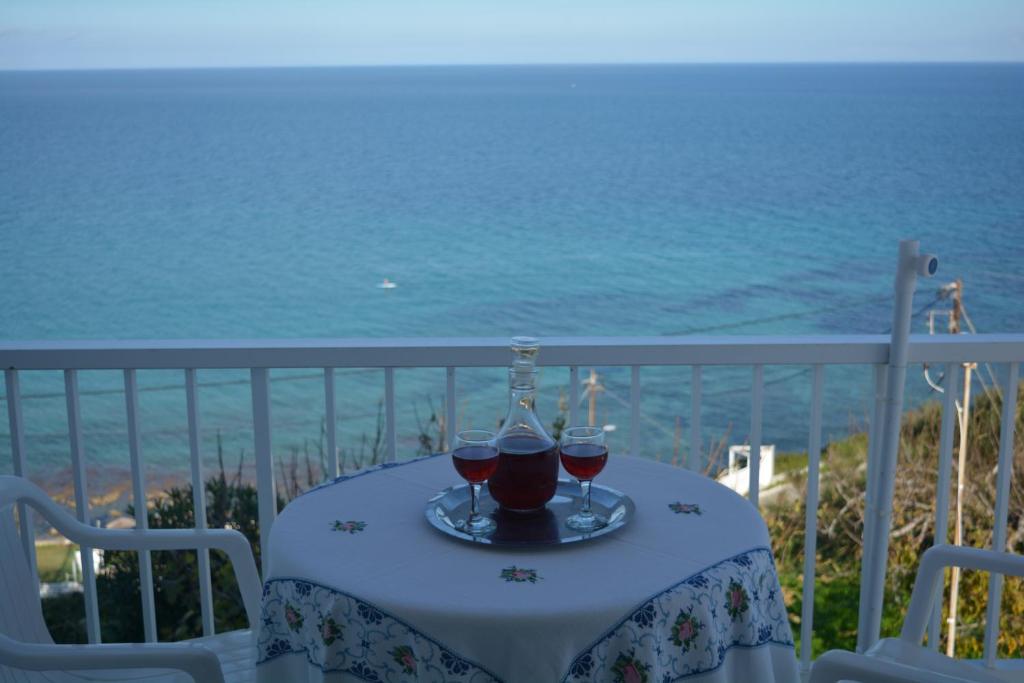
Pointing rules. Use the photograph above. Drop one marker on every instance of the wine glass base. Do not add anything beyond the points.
(582, 522)
(480, 526)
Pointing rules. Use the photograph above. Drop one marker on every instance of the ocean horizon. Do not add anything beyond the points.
(623, 200)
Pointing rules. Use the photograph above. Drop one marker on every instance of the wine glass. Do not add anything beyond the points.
(583, 453)
(475, 457)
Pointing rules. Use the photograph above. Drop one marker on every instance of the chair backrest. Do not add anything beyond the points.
(21, 613)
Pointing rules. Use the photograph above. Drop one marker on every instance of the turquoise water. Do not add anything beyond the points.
(561, 200)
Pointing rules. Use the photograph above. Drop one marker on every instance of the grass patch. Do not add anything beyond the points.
(790, 462)
(54, 561)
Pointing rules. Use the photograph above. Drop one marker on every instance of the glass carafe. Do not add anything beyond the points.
(527, 455)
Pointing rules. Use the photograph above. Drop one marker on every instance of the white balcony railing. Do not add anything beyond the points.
(887, 358)
(872, 353)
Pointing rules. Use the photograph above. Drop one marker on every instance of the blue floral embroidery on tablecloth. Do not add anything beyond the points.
(689, 628)
(369, 614)
(338, 632)
(645, 615)
(454, 665)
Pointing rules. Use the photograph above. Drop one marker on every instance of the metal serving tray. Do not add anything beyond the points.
(448, 510)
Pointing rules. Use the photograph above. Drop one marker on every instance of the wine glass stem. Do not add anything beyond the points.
(585, 486)
(474, 501)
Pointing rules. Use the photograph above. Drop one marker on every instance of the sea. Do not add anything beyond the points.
(614, 200)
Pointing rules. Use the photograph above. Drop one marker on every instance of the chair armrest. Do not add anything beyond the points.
(840, 665)
(195, 660)
(231, 542)
(929, 575)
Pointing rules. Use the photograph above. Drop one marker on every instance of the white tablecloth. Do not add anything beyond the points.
(360, 587)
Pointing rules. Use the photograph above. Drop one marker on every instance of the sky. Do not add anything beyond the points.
(90, 34)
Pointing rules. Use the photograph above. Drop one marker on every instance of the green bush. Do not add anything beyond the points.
(230, 504)
(841, 523)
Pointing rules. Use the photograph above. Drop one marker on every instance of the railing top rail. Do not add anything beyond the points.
(493, 352)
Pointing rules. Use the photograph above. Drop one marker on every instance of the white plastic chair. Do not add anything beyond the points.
(27, 650)
(903, 659)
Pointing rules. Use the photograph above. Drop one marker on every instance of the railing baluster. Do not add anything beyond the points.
(17, 428)
(266, 491)
(995, 581)
(389, 414)
(131, 399)
(942, 489)
(449, 407)
(867, 554)
(199, 499)
(574, 395)
(92, 609)
(634, 414)
(330, 424)
(756, 407)
(695, 438)
(811, 517)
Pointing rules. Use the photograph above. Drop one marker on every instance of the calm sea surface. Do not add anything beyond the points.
(568, 200)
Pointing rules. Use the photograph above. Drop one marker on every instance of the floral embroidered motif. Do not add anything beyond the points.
(685, 629)
(293, 617)
(519, 575)
(405, 658)
(350, 526)
(582, 666)
(453, 664)
(742, 561)
(736, 601)
(330, 630)
(278, 647)
(369, 614)
(364, 671)
(685, 508)
(339, 633)
(645, 615)
(629, 669)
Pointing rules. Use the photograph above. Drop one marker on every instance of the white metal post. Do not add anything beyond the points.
(909, 265)
(995, 580)
(634, 412)
(92, 607)
(330, 425)
(754, 459)
(199, 499)
(449, 408)
(949, 414)
(874, 446)
(390, 429)
(811, 518)
(16, 424)
(131, 399)
(574, 395)
(694, 461)
(265, 489)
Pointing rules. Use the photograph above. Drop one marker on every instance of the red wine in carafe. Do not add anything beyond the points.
(584, 460)
(527, 473)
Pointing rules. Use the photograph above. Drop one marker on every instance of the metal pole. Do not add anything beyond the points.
(958, 529)
(909, 265)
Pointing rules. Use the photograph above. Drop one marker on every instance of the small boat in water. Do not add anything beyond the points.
(387, 284)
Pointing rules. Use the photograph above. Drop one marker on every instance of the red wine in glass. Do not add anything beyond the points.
(583, 454)
(475, 457)
(584, 460)
(475, 464)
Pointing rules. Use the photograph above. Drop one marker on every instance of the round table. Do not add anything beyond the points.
(362, 588)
